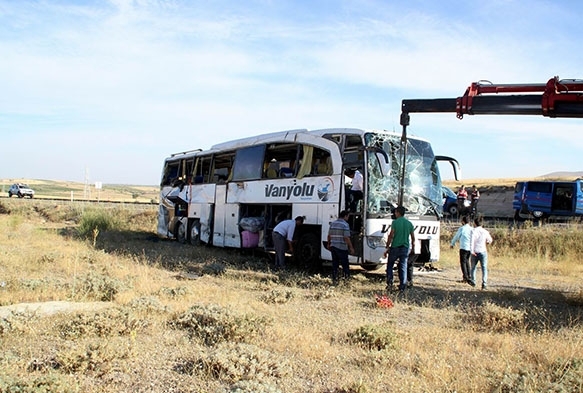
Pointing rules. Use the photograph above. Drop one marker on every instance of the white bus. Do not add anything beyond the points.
(234, 194)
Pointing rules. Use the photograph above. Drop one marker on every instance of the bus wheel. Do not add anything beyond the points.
(195, 234)
(307, 252)
(538, 214)
(181, 233)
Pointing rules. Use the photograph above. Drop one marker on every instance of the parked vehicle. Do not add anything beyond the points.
(235, 193)
(540, 199)
(20, 190)
(449, 201)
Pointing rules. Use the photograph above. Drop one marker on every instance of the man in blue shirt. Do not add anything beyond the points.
(464, 236)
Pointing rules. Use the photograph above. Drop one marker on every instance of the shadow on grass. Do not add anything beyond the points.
(545, 309)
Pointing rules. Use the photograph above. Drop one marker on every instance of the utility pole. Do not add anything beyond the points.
(87, 189)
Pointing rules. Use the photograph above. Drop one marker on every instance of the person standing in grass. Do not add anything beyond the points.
(398, 246)
(474, 199)
(480, 238)
(462, 196)
(464, 236)
(340, 245)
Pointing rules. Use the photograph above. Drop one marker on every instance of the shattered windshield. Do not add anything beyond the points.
(422, 192)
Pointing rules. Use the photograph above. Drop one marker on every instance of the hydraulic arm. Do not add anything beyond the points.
(556, 98)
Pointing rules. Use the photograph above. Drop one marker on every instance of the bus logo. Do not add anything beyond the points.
(325, 189)
(303, 191)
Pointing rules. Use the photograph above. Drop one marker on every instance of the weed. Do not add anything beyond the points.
(374, 337)
(98, 286)
(246, 386)
(214, 324)
(97, 357)
(150, 304)
(492, 317)
(174, 293)
(214, 269)
(38, 384)
(109, 322)
(234, 362)
(277, 296)
(95, 221)
(559, 376)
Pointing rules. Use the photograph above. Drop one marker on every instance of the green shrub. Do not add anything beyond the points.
(232, 362)
(98, 286)
(374, 337)
(97, 220)
(213, 324)
(175, 292)
(106, 323)
(97, 357)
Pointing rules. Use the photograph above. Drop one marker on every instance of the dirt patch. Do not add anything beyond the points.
(50, 308)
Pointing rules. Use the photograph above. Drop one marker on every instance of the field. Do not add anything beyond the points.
(92, 301)
(54, 189)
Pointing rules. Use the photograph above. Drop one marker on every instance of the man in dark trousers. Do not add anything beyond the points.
(283, 235)
(340, 245)
(398, 246)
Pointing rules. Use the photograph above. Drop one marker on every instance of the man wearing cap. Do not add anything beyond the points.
(283, 235)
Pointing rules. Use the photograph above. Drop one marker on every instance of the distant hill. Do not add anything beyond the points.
(564, 174)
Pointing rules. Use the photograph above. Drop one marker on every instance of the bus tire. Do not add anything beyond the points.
(307, 252)
(181, 233)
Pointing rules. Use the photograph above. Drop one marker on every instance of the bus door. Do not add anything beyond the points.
(226, 221)
(564, 198)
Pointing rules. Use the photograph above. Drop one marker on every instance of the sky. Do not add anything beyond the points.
(103, 91)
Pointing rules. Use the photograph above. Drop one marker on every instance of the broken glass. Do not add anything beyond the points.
(421, 184)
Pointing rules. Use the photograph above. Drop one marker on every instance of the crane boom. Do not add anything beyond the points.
(556, 98)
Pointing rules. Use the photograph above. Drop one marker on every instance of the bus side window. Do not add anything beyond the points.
(280, 159)
(171, 173)
(222, 167)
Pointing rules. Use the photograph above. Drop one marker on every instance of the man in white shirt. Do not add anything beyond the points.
(480, 238)
(464, 236)
(283, 235)
(356, 190)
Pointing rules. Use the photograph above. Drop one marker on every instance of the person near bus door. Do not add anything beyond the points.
(474, 199)
(355, 193)
(398, 246)
(340, 245)
(283, 235)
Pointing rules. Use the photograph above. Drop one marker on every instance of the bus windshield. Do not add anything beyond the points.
(422, 192)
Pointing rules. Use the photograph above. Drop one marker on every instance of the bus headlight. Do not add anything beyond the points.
(375, 241)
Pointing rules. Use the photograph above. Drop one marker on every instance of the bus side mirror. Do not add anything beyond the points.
(384, 163)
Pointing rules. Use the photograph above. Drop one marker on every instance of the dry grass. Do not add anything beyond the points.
(185, 319)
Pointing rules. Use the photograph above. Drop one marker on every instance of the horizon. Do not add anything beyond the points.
(104, 91)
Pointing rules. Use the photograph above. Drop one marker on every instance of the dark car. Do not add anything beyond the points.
(449, 201)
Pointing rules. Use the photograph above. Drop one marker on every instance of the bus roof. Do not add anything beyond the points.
(280, 136)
